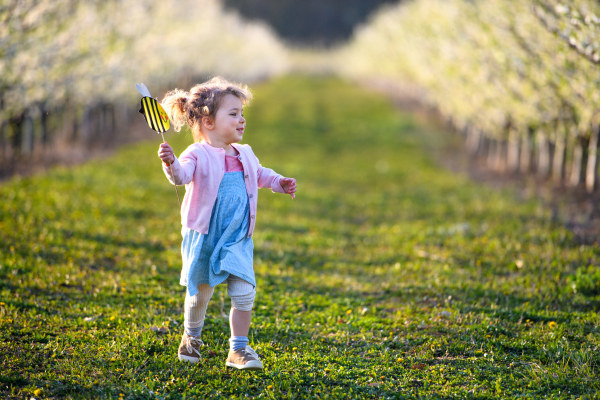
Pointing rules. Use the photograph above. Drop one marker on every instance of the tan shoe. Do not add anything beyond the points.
(189, 349)
(245, 358)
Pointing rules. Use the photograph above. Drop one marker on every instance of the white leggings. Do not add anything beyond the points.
(241, 293)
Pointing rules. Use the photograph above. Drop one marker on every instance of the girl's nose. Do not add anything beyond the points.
(242, 120)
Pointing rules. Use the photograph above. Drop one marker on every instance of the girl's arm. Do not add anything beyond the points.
(267, 178)
(182, 168)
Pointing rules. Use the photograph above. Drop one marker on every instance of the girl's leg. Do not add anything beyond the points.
(242, 296)
(195, 310)
(239, 322)
(241, 356)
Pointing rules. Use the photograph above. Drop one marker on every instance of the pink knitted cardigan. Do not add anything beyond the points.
(201, 168)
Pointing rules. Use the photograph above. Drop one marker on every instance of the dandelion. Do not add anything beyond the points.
(400, 360)
(37, 392)
(294, 349)
(349, 312)
(112, 318)
(2, 304)
(270, 387)
(551, 324)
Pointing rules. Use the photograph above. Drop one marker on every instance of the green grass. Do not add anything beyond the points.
(387, 277)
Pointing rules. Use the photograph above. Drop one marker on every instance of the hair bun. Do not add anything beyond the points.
(184, 100)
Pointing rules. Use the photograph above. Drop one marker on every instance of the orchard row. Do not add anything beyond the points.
(519, 79)
(68, 67)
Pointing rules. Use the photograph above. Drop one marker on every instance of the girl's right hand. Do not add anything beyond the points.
(165, 153)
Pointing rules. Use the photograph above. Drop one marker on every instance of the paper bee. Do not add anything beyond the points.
(155, 115)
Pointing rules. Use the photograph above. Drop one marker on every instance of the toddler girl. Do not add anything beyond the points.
(219, 210)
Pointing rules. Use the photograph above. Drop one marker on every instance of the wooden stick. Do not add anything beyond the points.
(171, 169)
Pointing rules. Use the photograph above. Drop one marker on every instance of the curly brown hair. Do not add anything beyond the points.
(203, 100)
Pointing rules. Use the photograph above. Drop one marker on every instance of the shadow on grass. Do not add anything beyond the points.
(120, 242)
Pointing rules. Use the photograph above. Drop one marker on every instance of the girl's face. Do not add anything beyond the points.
(229, 123)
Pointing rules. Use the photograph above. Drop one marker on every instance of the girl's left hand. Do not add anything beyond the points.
(289, 186)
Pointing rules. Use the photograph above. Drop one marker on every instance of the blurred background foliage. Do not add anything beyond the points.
(68, 67)
(518, 80)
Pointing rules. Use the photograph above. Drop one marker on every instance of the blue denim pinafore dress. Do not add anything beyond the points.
(226, 248)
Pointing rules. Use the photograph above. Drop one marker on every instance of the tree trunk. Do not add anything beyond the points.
(102, 131)
(559, 157)
(3, 147)
(87, 126)
(112, 121)
(484, 150)
(500, 159)
(512, 156)
(473, 140)
(543, 154)
(121, 118)
(592, 161)
(75, 124)
(576, 163)
(491, 156)
(17, 137)
(44, 126)
(569, 152)
(525, 156)
(27, 140)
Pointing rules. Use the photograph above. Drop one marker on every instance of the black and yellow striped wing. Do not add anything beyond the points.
(155, 115)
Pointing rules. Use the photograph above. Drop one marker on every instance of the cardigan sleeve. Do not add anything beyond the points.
(182, 168)
(266, 177)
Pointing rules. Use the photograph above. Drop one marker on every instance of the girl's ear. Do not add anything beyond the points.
(208, 123)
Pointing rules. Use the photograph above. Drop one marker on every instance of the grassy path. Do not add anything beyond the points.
(387, 277)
